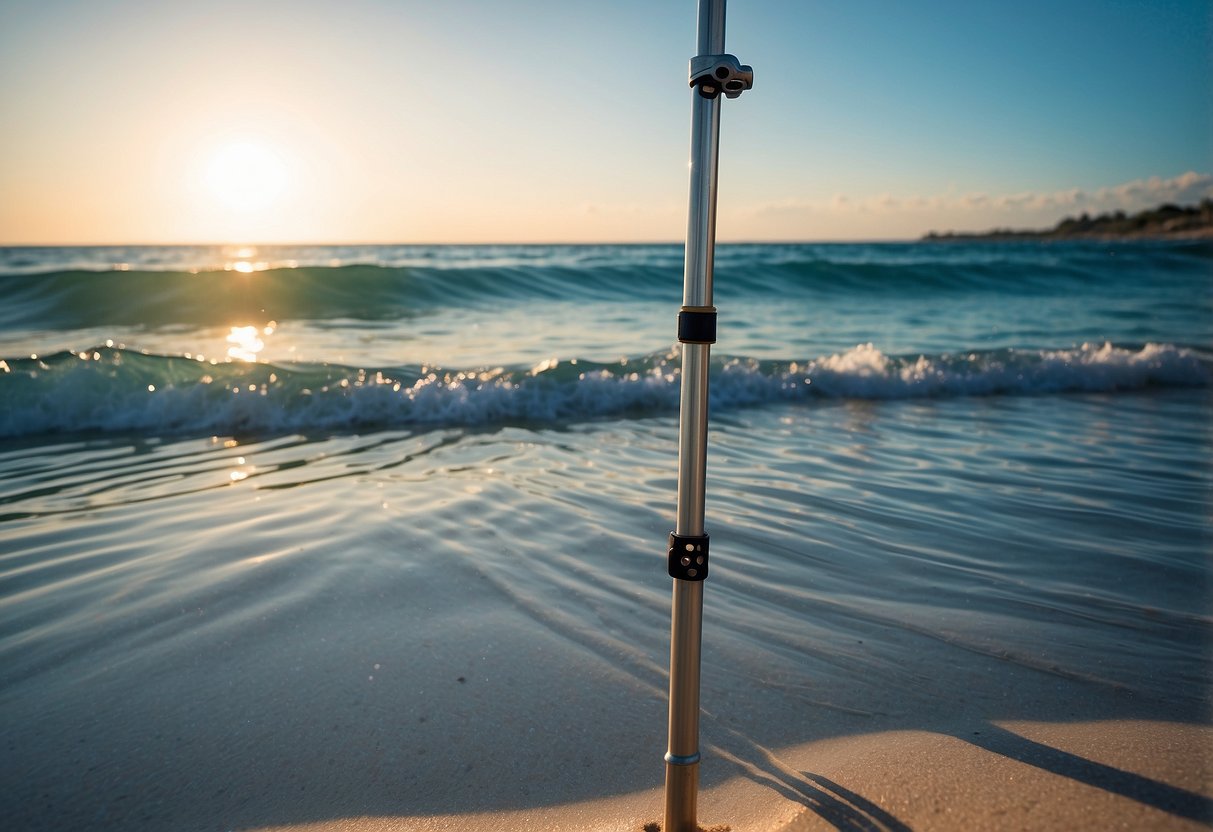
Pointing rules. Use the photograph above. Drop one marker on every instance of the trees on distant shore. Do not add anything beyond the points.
(1164, 221)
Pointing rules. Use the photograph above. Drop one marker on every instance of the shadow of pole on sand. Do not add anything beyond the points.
(842, 808)
(860, 813)
(1159, 795)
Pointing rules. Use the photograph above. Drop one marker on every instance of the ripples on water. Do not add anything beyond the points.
(1024, 527)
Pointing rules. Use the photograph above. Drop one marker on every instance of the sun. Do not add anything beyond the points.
(246, 175)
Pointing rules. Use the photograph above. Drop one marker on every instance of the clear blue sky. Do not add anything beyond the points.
(368, 120)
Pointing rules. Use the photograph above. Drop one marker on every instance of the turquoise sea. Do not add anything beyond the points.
(318, 512)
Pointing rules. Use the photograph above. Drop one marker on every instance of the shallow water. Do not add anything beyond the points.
(978, 516)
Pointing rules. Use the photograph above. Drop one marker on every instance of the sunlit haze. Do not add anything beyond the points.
(247, 176)
(129, 121)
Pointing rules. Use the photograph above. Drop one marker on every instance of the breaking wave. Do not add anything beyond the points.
(110, 389)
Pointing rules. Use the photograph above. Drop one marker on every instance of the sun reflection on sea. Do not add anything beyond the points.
(245, 342)
(243, 259)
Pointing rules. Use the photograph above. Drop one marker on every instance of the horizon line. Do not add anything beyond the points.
(230, 244)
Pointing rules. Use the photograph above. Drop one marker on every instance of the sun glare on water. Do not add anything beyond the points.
(246, 341)
(246, 176)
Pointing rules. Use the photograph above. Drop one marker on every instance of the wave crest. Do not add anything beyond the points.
(115, 390)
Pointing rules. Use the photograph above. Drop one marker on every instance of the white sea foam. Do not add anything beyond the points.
(118, 391)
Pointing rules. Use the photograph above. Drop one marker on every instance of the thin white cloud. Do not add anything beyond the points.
(1137, 195)
(1186, 188)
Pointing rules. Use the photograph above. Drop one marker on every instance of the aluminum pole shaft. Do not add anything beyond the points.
(682, 756)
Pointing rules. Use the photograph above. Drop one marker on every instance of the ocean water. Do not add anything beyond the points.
(256, 496)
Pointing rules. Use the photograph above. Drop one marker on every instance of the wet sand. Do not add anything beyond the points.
(505, 715)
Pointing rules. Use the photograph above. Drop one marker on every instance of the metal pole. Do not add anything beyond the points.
(712, 72)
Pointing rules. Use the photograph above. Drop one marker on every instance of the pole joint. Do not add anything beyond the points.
(713, 74)
(688, 557)
(697, 325)
(683, 760)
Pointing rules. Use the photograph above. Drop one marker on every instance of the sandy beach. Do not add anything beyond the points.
(525, 719)
(1092, 776)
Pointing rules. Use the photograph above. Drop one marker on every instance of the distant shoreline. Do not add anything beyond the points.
(1166, 222)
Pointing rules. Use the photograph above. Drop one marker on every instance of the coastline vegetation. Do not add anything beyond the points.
(1164, 222)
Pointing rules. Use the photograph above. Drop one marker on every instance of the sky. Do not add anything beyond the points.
(141, 121)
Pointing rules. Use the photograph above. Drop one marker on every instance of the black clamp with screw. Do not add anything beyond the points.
(688, 557)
